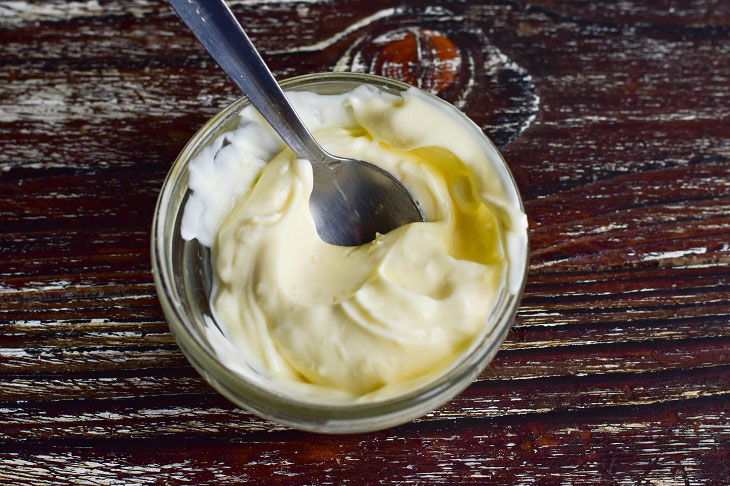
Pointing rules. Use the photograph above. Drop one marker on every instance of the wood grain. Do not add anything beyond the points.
(615, 120)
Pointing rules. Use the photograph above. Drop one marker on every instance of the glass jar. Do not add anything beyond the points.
(183, 276)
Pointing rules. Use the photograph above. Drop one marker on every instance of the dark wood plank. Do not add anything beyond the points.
(598, 448)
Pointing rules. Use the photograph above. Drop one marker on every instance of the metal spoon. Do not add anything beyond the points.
(351, 199)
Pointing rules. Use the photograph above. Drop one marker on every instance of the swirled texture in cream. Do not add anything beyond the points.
(361, 323)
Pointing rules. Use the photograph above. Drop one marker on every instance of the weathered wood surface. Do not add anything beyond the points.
(615, 119)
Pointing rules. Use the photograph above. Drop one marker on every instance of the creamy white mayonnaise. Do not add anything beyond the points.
(328, 323)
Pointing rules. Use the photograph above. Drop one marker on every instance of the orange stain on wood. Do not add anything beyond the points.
(421, 57)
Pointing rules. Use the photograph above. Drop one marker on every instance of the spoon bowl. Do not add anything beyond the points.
(352, 200)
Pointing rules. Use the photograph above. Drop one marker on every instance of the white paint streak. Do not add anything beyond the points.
(14, 353)
(673, 254)
(17, 11)
(318, 46)
(14, 12)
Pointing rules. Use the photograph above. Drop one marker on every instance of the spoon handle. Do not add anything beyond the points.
(217, 29)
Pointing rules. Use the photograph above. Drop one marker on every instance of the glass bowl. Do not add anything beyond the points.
(182, 273)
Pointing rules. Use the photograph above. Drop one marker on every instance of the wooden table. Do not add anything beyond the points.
(615, 120)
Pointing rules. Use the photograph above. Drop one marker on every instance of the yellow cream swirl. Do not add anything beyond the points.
(363, 323)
